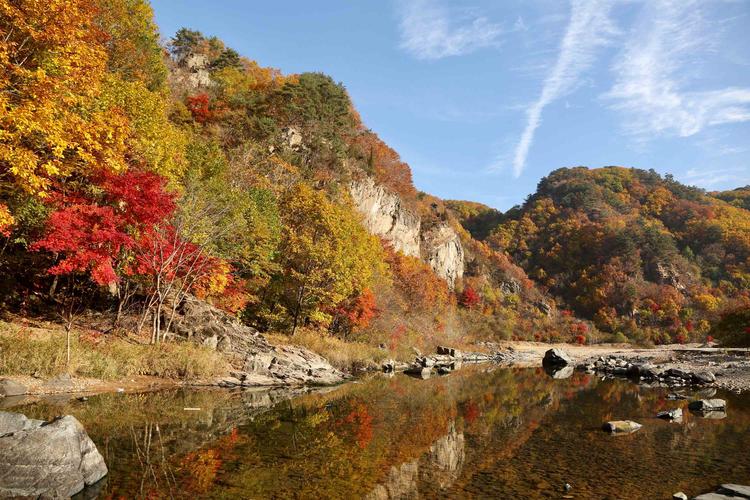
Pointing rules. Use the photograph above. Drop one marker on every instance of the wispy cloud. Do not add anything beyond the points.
(653, 70)
(710, 178)
(588, 29)
(430, 31)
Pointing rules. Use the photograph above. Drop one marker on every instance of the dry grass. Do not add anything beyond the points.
(42, 352)
(341, 354)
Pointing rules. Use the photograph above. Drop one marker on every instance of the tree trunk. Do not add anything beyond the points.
(67, 343)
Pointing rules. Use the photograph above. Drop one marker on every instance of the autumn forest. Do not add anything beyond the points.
(135, 173)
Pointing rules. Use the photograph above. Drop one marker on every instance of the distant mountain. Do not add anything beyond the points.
(637, 253)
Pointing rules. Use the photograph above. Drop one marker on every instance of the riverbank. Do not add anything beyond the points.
(33, 358)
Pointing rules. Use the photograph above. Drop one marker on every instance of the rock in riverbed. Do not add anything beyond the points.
(622, 426)
(726, 491)
(675, 414)
(556, 357)
(708, 405)
(54, 459)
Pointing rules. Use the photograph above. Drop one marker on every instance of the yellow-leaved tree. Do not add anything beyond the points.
(326, 256)
(52, 60)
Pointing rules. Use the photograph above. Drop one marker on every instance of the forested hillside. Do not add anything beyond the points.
(639, 254)
(133, 174)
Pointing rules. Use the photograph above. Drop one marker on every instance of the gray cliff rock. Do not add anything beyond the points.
(53, 459)
(385, 215)
(442, 250)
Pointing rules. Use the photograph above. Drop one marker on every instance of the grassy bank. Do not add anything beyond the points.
(42, 352)
(342, 354)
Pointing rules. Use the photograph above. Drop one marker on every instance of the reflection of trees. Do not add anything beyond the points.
(395, 438)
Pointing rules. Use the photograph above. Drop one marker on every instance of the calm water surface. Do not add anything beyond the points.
(482, 432)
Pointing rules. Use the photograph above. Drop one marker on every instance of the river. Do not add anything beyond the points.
(481, 432)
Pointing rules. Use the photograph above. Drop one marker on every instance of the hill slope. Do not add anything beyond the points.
(638, 253)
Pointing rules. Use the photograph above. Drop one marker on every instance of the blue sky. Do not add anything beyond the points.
(484, 98)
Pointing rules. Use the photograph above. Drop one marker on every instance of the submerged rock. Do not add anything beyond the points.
(46, 459)
(621, 426)
(556, 357)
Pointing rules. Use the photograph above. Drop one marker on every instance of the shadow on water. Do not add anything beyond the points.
(477, 433)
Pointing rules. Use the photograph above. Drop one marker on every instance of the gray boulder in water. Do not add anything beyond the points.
(556, 357)
(708, 405)
(621, 426)
(675, 414)
(54, 459)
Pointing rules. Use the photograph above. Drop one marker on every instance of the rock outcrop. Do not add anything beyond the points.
(257, 362)
(193, 71)
(442, 249)
(385, 215)
(53, 459)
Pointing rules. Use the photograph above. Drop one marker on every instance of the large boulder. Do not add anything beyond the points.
(556, 357)
(53, 459)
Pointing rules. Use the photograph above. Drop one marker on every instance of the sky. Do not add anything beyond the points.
(483, 98)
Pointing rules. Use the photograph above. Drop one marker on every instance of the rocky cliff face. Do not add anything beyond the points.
(385, 215)
(441, 248)
(256, 362)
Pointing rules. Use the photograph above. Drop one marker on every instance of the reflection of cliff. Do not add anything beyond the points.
(445, 460)
(439, 468)
(401, 483)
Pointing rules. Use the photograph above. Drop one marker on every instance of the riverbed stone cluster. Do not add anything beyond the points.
(39, 459)
(646, 372)
(446, 360)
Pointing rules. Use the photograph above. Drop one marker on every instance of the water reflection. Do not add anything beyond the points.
(478, 432)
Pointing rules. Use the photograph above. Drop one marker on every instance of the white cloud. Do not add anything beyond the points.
(654, 69)
(588, 29)
(710, 178)
(429, 31)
